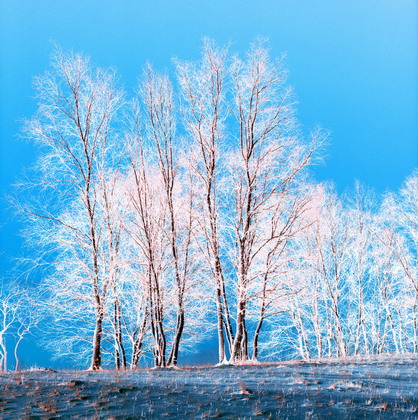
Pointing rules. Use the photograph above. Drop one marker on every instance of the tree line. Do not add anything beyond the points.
(189, 210)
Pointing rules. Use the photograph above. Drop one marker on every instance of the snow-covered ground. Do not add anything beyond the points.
(384, 387)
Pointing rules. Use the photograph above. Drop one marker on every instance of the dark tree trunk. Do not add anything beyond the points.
(96, 362)
(120, 354)
(173, 358)
(221, 339)
(255, 341)
(138, 341)
(240, 349)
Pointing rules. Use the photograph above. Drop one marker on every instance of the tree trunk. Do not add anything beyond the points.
(240, 350)
(137, 344)
(160, 342)
(3, 360)
(415, 342)
(221, 339)
(96, 361)
(255, 341)
(120, 354)
(16, 354)
(172, 360)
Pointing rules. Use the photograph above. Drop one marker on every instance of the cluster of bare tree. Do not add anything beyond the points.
(188, 208)
(20, 313)
(353, 286)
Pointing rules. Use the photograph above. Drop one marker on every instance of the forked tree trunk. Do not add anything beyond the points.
(157, 328)
(160, 347)
(138, 342)
(240, 349)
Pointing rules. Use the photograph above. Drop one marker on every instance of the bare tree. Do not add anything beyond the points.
(360, 224)
(19, 316)
(9, 308)
(157, 95)
(72, 127)
(396, 240)
(29, 317)
(203, 93)
(269, 157)
(406, 213)
(150, 212)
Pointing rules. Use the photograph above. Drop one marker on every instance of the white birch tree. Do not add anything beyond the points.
(73, 129)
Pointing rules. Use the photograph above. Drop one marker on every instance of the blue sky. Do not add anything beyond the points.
(353, 64)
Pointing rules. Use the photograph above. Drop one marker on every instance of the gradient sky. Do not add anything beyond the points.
(353, 64)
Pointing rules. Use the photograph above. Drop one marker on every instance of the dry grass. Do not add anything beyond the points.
(300, 389)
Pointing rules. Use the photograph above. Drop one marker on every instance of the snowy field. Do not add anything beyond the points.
(355, 388)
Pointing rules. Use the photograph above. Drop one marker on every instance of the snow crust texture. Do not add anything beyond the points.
(384, 387)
